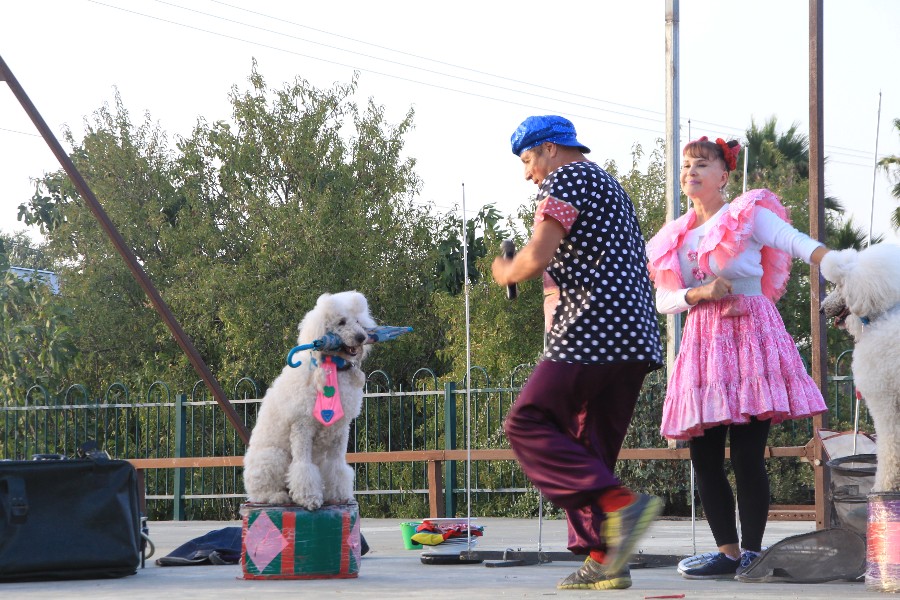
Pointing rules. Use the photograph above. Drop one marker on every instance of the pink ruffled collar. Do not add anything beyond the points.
(726, 239)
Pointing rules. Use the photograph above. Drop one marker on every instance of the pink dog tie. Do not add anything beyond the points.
(328, 407)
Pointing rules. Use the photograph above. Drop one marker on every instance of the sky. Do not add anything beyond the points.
(472, 71)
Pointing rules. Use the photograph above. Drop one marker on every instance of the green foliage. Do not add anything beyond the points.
(36, 338)
(450, 271)
(19, 250)
(891, 166)
(241, 228)
(647, 188)
(776, 157)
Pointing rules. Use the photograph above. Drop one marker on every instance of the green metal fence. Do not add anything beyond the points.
(427, 414)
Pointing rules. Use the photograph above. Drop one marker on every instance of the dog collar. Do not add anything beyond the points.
(339, 363)
(867, 320)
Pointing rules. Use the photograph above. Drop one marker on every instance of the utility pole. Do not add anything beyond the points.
(819, 360)
(673, 160)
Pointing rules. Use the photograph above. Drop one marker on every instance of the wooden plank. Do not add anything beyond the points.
(434, 460)
(443, 455)
(187, 462)
(792, 512)
(435, 490)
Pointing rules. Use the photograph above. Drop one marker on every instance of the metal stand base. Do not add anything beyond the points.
(519, 558)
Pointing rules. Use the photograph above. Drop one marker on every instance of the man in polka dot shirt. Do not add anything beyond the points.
(567, 426)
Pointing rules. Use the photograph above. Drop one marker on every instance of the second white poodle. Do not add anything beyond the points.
(293, 456)
(866, 300)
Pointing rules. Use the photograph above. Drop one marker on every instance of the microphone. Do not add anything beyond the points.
(508, 248)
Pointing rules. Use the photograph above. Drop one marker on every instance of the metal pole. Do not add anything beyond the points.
(746, 162)
(817, 231)
(673, 161)
(673, 191)
(125, 251)
(465, 256)
(857, 397)
(874, 172)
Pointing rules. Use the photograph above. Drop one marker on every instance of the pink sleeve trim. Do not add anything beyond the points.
(561, 211)
(728, 238)
(662, 253)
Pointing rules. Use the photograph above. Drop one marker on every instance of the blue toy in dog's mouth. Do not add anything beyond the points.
(331, 342)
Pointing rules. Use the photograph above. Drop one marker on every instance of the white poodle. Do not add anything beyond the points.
(866, 300)
(292, 456)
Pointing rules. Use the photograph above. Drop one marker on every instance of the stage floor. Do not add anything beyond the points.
(390, 571)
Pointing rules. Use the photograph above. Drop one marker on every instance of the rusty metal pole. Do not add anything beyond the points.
(817, 231)
(116, 238)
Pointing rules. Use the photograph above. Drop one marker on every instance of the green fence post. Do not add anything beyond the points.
(449, 444)
(180, 446)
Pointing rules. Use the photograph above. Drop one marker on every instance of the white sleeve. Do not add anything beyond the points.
(770, 230)
(671, 302)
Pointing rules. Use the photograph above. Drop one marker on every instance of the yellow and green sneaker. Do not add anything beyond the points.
(624, 527)
(594, 576)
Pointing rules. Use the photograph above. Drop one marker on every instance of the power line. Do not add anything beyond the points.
(843, 162)
(19, 132)
(494, 75)
(409, 66)
(735, 130)
(407, 79)
(455, 66)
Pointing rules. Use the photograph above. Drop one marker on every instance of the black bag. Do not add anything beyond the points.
(68, 519)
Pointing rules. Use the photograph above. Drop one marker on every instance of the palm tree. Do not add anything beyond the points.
(891, 164)
(846, 235)
(774, 155)
(779, 160)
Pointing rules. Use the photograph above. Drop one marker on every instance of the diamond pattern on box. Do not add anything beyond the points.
(264, 541)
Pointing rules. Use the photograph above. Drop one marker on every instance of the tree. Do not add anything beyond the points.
(21, 251)
(891, 165)
(36, 336)
(242, 227)
(775, 156)
(449, 270)
(129, 170)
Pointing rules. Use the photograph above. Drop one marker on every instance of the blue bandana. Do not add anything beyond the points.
(548, 128)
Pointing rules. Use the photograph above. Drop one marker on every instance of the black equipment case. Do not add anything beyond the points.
(68, 519)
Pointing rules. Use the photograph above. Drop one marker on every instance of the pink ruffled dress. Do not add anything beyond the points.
(736, 360)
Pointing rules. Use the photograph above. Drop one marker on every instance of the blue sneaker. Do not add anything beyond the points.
(747, 558)
(697, 560)
(718, 566)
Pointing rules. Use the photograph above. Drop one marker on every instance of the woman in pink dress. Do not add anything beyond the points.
(738, 370)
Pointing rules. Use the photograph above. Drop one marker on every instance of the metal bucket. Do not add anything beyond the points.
(852, 478)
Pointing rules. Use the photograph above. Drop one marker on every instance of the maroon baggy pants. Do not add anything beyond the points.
(566, 429)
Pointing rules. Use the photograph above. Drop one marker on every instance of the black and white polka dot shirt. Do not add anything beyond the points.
(605, 312)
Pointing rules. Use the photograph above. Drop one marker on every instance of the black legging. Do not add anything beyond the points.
(748, 444)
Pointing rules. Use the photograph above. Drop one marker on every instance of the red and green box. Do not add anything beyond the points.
(290, 542)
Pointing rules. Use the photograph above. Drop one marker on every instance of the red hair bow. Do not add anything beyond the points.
(730, 153)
